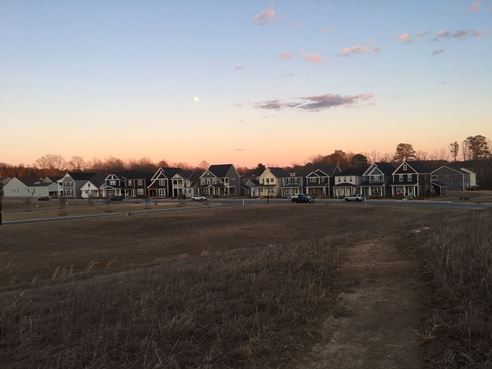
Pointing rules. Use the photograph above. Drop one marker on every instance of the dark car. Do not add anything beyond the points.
(116, 198)
(301, 198)
(44, 198)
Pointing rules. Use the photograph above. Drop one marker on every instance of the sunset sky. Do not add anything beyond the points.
(241, 81)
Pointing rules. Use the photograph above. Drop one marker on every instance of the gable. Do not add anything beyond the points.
(404, 168)
(445, 170)
(375, 172)
(208, 174)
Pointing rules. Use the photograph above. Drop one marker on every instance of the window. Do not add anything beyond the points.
(312, 180)
(208, 181)
(112, 183)
(409, 177)
(130, 182)
(400, 177)
(404, 167)
(161, 192)
(162, 182)
(140, 182)
(140, 191)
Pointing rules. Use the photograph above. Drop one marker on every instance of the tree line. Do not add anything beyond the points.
(473, 152)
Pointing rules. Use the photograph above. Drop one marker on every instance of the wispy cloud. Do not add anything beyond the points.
(404, 38)
(327, 29)
(368, 47)
(437, 52)
(296, 26)
(266, 16)
(238, 149)
(457, 35)
(285, 55)
(315, 103)
(475, 6)
(314, 58)
(238, 67)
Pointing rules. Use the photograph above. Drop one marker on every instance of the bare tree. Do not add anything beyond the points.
(374, 156)
(203, 164)
(76, 163)
(454, 149)
(421, 155)
(51, 162)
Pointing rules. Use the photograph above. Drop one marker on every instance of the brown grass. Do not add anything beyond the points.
(213, 288)
(459, 261)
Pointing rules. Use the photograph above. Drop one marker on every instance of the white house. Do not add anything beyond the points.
(26, 187)
(347, 182)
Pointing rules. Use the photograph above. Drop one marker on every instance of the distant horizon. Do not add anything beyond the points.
(246, 81)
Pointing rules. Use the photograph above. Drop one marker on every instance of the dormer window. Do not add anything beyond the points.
(404, 167)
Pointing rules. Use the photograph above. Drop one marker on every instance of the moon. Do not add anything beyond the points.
(196, 99)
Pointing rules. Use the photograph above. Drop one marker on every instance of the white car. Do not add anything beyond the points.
(355, 197)
(198, 198)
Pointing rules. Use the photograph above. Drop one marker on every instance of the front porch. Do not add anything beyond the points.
(341, 191)
(373, 191)
(404, 191)
(318, 191)
(288, 192)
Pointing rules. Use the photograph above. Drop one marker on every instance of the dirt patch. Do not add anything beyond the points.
(375, 323)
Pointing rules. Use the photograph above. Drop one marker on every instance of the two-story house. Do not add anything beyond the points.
(347, 182)
(269, 182)
(136, 183)
(454, 178)
(161, 185)
(220, 180)
(411, 179)
(71, 183)
(376, 180)
(320, 181)
(113, 185)
(185, 183)
(292, 184)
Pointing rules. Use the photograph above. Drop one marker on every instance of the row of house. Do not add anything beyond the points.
(409, 179)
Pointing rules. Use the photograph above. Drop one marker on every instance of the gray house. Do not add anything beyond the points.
(71, 183)
(220, 180)
(376, 180)
(454, 178)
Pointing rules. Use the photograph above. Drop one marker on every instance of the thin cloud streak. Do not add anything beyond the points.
(437, 52)
(266, 16)
(369, 47)
(314, 58)
(456, 35)
(316, 103)
(404, 38)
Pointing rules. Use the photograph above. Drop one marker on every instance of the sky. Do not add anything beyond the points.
(241, 81)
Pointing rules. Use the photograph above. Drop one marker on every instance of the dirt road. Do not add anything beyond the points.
(377, 320)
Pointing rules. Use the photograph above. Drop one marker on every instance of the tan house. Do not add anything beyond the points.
(270, 181)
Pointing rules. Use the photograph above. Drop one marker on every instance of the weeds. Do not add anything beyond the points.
(244, 308)
(458, 256)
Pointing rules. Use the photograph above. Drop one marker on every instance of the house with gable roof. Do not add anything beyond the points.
(27, 187)
(411, 179)
(319, 182)
(220, 180)
(347, 182)
(270, 181)
(161, 185)
(376, 180)
(454, 177)
(71, 182)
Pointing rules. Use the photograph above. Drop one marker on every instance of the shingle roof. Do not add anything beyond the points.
(419, 166)
(351, 172)
(220, 170)
(325, 168)
(278, 172)
(386, 168)
(81, 176)
(29, 181)
(98, 179)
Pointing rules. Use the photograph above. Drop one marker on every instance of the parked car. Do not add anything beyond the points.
(198, 198)
(355, 197)
(116, 198)
(301, 198)
(44, 198)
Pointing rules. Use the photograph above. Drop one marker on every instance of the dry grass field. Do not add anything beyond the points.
(255, 287)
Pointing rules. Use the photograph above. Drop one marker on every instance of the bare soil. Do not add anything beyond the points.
(376, 322)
